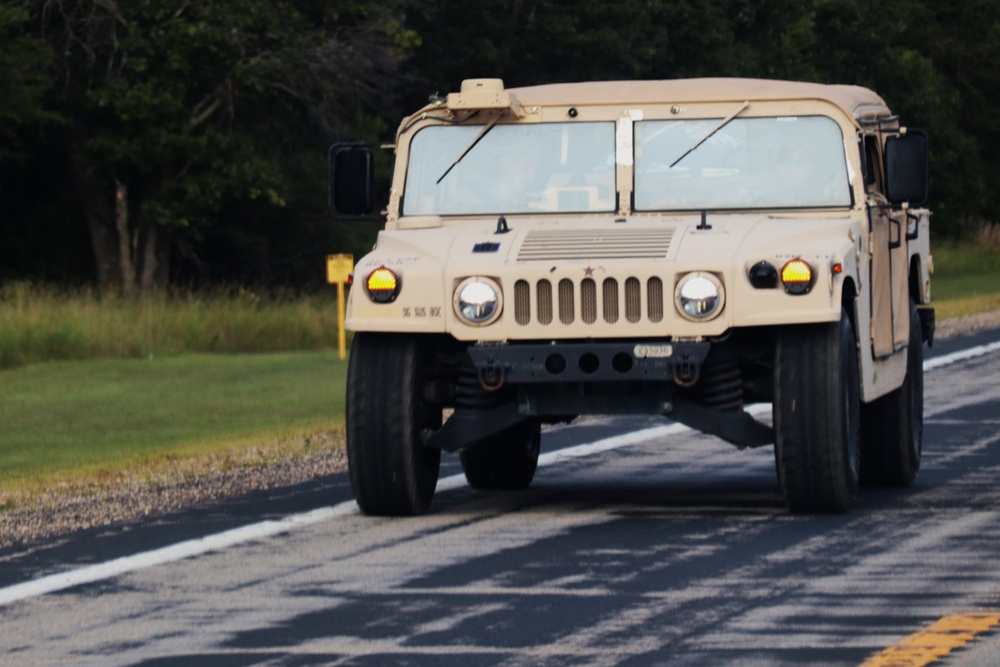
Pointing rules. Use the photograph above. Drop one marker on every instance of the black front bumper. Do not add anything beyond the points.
(592, 361)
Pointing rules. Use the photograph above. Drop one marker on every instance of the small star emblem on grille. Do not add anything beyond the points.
(589, 271)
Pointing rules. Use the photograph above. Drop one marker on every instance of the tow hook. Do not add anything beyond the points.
(492, 377)
(686, 373)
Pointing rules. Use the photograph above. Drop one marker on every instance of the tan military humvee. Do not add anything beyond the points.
(681, 248)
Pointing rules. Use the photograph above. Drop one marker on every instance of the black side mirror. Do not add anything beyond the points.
(351, 175)
(907, 167)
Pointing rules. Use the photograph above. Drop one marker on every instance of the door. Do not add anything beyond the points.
(890, 302)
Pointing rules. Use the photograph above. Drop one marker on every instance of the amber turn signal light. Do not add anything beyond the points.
(382, 285)
(797, 277)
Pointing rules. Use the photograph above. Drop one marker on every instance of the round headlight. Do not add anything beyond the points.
(699, 296)
(478, 301)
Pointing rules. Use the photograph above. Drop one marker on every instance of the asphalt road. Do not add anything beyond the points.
(660, 547)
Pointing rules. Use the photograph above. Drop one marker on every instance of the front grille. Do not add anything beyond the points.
(572, 298)
(642, 243)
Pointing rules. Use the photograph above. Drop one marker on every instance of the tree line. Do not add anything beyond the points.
(146, 143)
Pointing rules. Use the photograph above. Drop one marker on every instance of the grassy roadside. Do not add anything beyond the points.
(966, 279)
(85, 424)
(46, 323)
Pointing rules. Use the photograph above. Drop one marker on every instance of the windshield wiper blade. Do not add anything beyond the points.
(468, 148)
(714, 130)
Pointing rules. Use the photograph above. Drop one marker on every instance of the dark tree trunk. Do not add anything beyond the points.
(153, 262)
(127, 243)
(99, 210)
(132, 254)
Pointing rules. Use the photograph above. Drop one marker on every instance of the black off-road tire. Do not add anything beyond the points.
(892, 427)
(392, 473)
(506, 461)
(817, 416)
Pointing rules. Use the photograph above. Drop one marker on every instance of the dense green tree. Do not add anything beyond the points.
(173, 108)
(888, 47)
(23, 83)
(937, 64)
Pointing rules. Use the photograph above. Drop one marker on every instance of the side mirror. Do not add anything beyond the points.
(907, 167)
(351, 175)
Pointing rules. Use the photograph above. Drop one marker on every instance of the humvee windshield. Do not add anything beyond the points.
(787, 162)
(534, 168)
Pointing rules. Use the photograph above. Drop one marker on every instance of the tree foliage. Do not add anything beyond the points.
(184, 139)
(170, 110)
(935, 63)
(23, 84)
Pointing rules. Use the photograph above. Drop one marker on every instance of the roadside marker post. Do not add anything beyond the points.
(338, 272)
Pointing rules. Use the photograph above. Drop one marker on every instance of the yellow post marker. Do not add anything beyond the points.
(338, 272)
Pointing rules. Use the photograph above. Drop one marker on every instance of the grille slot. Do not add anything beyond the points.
(522, 302)
(633, 300)
(594, 303)
(588, 301)
(610, 300)
(644, 243)
(544, 302)
(566, 309)
(654, 300)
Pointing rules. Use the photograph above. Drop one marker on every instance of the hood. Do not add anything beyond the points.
(483, 246)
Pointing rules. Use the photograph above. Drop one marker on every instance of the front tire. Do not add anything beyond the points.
(506, 461)
(892, 427)
(392, 473)
(817, 416)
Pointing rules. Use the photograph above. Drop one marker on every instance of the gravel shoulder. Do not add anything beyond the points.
(175, 486)
(960, 325)
(186, 484)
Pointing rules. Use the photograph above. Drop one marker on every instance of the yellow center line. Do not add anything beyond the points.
(935, 641)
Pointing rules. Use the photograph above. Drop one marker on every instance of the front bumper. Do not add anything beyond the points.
(593, 361)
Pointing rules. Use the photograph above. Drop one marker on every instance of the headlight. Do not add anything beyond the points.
(478, 301)
(699, 296)
(383, 285)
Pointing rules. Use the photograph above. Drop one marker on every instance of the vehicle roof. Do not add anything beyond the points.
(856, 101)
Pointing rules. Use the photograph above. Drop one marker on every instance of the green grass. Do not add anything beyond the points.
(98, 417)
(966, 279)
(40, 323)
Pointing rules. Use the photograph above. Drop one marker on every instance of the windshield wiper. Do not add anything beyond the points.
(716, 129)
(468, 148)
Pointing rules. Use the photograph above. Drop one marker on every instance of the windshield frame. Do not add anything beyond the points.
(622, 115)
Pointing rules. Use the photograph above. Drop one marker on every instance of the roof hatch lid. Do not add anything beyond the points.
(479, 94)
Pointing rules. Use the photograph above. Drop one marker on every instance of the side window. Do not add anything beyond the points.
(873, 163)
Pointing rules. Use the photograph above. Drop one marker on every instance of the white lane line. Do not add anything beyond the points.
(258, 531)
(102, 571)
(961, 355)
(169, 554)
